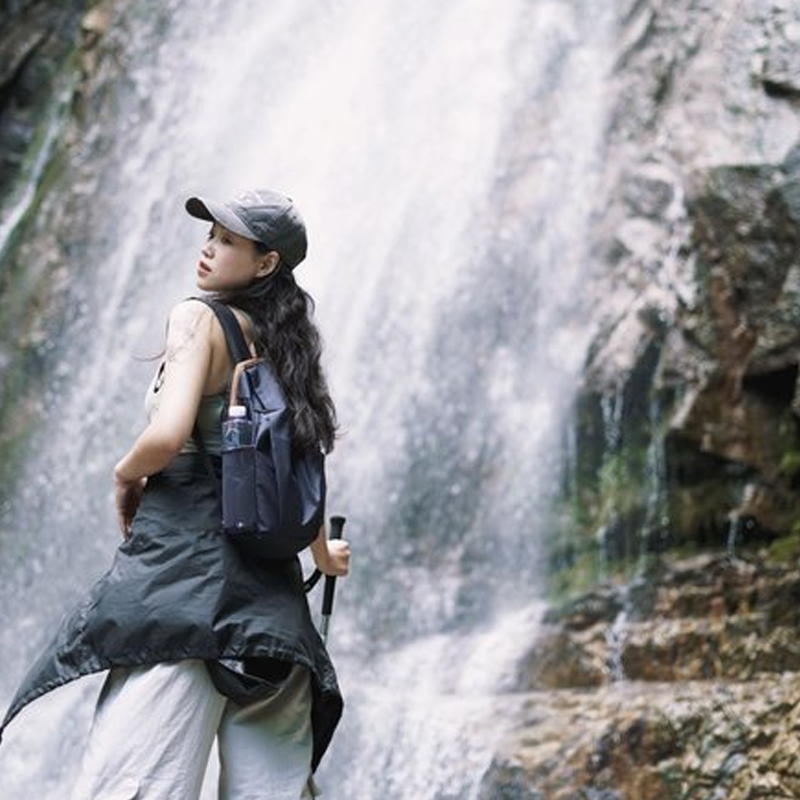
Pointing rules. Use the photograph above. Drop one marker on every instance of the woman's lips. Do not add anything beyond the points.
(202, 269)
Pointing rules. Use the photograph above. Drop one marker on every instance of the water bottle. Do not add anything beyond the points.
(237, 429)
(238, 471)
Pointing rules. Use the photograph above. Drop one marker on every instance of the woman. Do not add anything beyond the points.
(202, 641)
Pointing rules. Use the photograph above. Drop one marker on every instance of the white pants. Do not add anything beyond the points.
(154, 727)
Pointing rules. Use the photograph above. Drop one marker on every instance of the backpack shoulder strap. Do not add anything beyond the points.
(237, 345)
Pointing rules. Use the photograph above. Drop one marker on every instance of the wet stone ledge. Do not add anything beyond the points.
(684, 684)
(710, 740)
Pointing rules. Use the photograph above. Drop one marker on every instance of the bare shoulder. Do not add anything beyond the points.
(189, 312)
(189, 327)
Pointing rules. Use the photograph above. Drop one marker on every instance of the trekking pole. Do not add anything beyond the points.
(337, 526)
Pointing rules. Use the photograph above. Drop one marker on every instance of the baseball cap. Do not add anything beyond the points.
(262, 215)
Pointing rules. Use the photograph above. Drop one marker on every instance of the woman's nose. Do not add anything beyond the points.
(207, 250)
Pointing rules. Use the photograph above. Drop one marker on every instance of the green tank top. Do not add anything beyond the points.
(209, 415)
(209, 422)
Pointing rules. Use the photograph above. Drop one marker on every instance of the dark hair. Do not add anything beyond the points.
(282, 315)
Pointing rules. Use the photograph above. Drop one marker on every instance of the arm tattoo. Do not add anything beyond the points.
(184, 341)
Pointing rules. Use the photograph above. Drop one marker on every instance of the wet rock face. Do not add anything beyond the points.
(690, 687)
(708, 617)
(36, 37)
(686, 681)
(780, 72)
(723, 740)
(745, 234)
(48, 51)
(688, 419)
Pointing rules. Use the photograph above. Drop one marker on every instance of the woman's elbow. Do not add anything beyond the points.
(166, 444)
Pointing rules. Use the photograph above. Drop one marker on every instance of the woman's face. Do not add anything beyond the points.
(229, 261)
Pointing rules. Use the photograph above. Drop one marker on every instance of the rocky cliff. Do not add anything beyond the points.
(64, 73)
(687, 421)
(48, 53)
(676, 674)
(37, 40)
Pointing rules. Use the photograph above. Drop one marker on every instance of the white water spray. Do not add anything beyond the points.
(444, 156)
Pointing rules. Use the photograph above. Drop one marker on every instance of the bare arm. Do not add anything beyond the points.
(187, 363)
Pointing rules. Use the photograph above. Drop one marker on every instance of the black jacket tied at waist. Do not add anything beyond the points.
(178, 589)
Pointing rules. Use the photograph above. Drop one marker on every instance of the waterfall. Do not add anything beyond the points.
(445, 156)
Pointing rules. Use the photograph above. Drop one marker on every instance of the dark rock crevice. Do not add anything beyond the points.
(36, 39)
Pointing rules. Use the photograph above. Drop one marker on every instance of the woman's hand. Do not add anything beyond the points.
(332, 556)
(128, 495)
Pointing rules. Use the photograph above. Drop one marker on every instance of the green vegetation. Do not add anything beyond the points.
(600, 524)
(786, 549)
(789, 466)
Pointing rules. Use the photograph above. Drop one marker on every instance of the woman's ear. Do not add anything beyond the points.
(268, 263)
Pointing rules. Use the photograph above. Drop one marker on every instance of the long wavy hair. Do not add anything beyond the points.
(286, 334)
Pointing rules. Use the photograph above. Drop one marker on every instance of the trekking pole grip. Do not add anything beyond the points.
(337, 527)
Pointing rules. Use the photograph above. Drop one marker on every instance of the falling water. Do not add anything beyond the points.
(617, 637)
(657, 512)
(445, 157)
(612, 407)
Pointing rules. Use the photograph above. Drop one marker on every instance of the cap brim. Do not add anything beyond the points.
(218, 212)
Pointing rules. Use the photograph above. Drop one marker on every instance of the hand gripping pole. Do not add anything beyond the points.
(337, 526)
